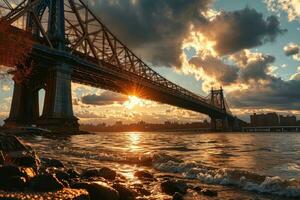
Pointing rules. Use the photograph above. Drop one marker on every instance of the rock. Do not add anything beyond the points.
(98, 190)
(211, 193)
(9, 171)
(107, 173)
(143, 191)
(143, 175)
(25, 159)
(45, 183)
(2, 160)
(13, 183)
(89, 173)
(124, 192)
(197, 188)
(12, 178)
(73, 173)
(47, 162)
(61, 175)
(9, 143)
(177, 196)
(172, 186)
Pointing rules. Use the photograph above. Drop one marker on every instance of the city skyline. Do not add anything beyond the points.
(259, 74)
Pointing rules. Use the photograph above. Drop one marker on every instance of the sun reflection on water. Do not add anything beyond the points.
(134, 139)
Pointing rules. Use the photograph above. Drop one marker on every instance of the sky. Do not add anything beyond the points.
(249, 47)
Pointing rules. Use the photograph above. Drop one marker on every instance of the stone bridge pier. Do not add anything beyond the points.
(57, 112)
(224, 124)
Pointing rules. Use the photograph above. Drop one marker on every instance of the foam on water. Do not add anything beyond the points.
(230, 177)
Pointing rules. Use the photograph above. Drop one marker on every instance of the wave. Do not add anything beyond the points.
(230, 177)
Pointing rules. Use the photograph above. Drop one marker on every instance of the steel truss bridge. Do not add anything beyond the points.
(73, 44)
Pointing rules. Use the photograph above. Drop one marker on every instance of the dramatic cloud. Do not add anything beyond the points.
(155, 30)
(291, 7)
(274, 93)
(106, 98)
(241, 29)
(214, 67)
(293, 50)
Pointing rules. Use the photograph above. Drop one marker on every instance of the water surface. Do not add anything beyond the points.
(260, 163)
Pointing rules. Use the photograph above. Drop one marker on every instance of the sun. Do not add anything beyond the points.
(132, 102)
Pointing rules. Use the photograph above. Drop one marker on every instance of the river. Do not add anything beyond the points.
(258, 166)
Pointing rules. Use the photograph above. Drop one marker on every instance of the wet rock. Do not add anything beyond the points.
(124, 192)
(89, 173)
(9, 143)
(11, 178)
(143, 191)
(61, 175)
(143, 175)
(25, 159)
(73, 173)
(107, 173)
(172, 186)
(177, 196)
(98, 191)
(197, 188)
(13, 183)
(211, 193)
(2, 160)
(45, 183)
(47, 162)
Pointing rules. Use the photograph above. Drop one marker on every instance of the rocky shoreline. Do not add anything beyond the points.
(23, 175)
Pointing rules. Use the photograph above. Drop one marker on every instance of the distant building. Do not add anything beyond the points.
(269, 119)
(272, 119)
(288, 120)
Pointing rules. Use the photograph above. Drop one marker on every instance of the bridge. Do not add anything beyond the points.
(73, 44)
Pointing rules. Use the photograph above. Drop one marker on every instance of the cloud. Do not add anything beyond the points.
(293, 50)
(291, 7)
(214, 67)
(274, 93)
(241, 29)
(156, 29)
(106, 98)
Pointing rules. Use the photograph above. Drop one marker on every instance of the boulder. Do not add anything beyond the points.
(107, 173)
(24, 159)
(98, 190)
(73, 173)
(89, 173)
(124, 192)
(9, 143)
(12, 178)
(62, 175)
(177, 196)
(47, 162)
(45, 183)
(172, 186)
(143, 175)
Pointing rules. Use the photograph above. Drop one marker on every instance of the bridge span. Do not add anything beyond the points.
(73, 44)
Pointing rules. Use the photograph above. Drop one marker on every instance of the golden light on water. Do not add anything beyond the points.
(134, 139)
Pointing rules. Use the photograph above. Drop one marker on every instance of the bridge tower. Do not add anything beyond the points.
(56, 79)
(220, 123)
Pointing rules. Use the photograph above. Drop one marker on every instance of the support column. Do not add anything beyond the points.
(58, 110)
(24, 107)
(213, 124)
